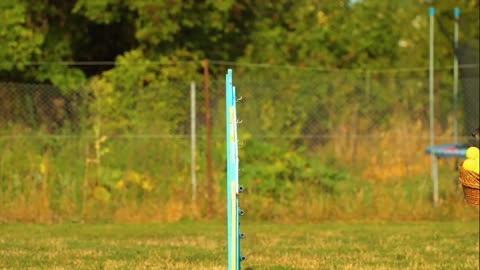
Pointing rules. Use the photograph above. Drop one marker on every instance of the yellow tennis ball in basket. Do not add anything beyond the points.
(476, 166)
(471, 165)
(473, 153)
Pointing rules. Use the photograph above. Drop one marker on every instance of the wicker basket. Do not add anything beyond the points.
(470, 182)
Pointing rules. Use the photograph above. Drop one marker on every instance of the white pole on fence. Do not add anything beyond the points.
(455, 76)
(432, 131)
(193, 140)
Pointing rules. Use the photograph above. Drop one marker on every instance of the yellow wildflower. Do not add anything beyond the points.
(101, 194)
(147, 186)
(103, 138)
(120, 184)
(43, 167)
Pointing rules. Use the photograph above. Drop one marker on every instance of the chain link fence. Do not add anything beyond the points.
(371, 123)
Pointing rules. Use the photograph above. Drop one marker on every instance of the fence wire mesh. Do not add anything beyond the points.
(137, 138)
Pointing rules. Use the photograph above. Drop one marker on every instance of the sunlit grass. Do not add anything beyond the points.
(423, 245)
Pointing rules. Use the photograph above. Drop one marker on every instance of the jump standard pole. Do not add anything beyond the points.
(233, 188)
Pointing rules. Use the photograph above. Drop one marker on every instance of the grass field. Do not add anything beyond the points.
(423, 245)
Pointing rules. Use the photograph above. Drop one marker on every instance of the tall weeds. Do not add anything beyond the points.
(42, 180)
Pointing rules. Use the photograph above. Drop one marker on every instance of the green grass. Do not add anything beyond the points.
(423, 245)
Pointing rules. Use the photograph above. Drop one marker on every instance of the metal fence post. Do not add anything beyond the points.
(455, 76)
(210, 189)
(432, 111)
(193, 140)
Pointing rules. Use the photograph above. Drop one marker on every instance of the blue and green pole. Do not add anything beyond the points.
(233, 187)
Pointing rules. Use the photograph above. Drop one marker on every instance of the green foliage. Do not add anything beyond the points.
(274, 168)
(163, 27)
(68, 80)
(142, 94)
(103, 11)
(20, 43)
